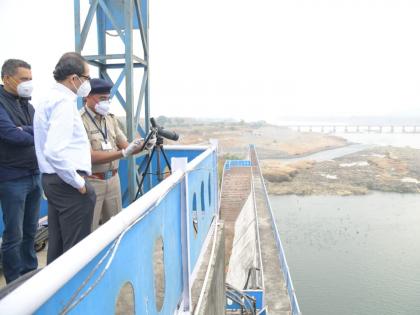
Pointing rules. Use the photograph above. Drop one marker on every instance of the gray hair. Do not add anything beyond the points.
(10, 67)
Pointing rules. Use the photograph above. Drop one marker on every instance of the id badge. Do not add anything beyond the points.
(106, 146)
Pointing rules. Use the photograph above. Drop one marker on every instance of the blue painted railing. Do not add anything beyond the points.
(256, 294)
(88, 278)
(140, 161)
(282, 256)
(236, 163)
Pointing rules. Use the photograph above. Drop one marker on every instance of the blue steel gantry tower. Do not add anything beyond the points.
(127, 18)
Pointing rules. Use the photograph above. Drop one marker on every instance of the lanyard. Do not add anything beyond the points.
(104, 134)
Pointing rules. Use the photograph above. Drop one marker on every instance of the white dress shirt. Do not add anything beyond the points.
(61, 144)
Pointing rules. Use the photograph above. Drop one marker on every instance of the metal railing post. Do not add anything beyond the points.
(180, 164)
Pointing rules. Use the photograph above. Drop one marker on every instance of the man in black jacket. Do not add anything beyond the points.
(20, 190)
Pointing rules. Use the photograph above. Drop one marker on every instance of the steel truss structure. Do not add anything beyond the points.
(125, 17)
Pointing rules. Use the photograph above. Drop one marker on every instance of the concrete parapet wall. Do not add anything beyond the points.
(214, 298)
(244, 255)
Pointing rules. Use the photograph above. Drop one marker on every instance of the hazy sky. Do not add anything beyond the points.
(251, 59)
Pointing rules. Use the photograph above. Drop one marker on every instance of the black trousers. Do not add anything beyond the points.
(70, 214)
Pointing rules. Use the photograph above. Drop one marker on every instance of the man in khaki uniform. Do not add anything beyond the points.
(108, 145)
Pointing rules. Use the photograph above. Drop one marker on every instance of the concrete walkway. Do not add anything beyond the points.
(236, 187)
(236, 190)
(276, 296)
(42, 262)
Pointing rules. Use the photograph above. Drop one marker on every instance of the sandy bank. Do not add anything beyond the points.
(387, 169)
(271, 141)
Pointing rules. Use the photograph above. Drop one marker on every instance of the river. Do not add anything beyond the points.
(355, 254)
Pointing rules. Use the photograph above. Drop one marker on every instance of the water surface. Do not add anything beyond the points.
(353, 255)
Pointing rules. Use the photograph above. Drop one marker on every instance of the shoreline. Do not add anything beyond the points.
(305, 163)
(382, 169)
(315, 151)
(370, 192)
(271, 141)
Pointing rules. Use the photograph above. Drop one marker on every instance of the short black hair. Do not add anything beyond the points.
(10, 67)
(69, 63)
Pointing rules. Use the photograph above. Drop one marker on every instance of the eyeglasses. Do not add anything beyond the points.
(85, 77)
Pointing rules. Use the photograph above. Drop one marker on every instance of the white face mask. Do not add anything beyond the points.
(84, 89)
(102, 108)
(24, 89)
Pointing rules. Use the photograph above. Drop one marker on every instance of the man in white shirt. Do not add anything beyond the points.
(63, 153)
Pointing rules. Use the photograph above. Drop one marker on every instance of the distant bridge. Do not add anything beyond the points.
(362, 128)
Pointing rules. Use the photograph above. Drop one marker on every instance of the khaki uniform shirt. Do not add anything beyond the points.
(114, 136)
